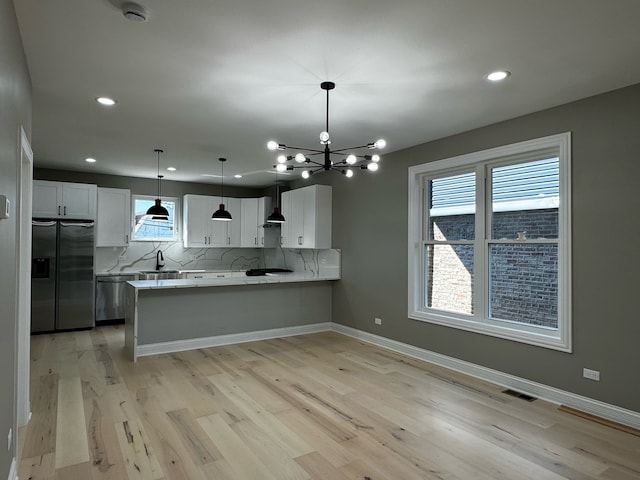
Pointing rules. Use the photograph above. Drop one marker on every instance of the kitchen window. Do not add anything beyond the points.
(145, 228)
(489, 242)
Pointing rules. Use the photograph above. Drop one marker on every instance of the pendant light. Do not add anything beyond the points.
(157, 211)
(221, 214)
(276, 216)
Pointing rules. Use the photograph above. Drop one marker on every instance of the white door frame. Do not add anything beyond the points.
(23, 213)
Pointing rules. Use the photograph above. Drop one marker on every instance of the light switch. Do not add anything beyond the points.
(4, 207)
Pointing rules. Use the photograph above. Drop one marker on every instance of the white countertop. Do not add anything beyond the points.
(134, 272)
(215, 282)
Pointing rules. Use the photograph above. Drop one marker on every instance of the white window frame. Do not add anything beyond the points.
(176, 218)
(557, 339)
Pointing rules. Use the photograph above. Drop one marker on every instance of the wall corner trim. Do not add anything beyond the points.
(545, 392)
(13, 472)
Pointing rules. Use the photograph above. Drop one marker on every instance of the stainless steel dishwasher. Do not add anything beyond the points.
(110, 297)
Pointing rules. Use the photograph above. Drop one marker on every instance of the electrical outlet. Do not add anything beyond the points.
(378, 321)
(591, 374)
(9, 438)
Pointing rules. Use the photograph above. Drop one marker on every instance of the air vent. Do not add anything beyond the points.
(520, 395)
(134, 12)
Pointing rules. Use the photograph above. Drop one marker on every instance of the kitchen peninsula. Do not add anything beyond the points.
(182, 314)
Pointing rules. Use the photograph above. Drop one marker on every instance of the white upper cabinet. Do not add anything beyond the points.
(196, 219)
(64, 200)
(226, 234)
(254, 213)
(307, 213)
(200, 231)
(113, 224)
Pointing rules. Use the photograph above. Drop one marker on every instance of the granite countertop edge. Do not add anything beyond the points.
(219, 282)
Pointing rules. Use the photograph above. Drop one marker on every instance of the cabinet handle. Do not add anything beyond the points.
(65, 210)
(255, 240)
(58, 210)
(262, 240)
(228, 240)
(300, 240)
(205, 239)
(126, 238)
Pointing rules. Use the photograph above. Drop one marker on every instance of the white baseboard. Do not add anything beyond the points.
(13, 472)
(551, 394)
(195, 343)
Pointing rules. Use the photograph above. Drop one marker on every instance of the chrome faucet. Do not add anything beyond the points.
(159, 260)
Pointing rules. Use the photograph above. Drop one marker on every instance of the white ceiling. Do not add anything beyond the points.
(204, 79)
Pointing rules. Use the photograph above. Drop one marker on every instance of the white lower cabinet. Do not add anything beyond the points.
(113, 222)
(307, 213)
(200, 231)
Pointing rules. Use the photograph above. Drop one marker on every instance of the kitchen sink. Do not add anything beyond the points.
(159, 274)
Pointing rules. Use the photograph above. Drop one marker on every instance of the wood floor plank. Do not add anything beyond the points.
(298, 408)
(236, 453)
(197, 443)
(319, 468)
(139, 457)
(71, 434)
(268, 452)
(175, 460)
(80, 471)
(42, 467)
(41, 430)
(107, 462)
(286, 439)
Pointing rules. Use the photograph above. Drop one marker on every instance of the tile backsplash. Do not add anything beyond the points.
(142, 256)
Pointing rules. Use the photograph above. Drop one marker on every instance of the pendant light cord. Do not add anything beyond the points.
(159, 151)
(222, 160)
(327, 123)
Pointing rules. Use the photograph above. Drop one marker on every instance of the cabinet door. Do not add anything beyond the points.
(47, 202)
(264, 210)
(226, 234)
(285, 228)
(308, 217)
(113, 217)
(196, 219)
(249, 223)
(79, 201)
(293, 211)
(317, 214)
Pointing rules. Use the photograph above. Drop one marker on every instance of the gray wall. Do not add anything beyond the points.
(15, 111)
(370, 226)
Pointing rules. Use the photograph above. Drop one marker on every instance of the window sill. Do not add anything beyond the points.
(537, 338)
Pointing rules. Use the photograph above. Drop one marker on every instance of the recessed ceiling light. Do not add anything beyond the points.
(90, 160)
(237, 175)
(106, 101)
(172, 169)
(498, 75)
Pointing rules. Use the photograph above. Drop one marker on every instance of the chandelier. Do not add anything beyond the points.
(341, 160)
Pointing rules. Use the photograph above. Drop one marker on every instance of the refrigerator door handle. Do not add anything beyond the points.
(77, 224)
(40, 223)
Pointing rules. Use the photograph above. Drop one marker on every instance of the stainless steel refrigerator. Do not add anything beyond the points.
(62, 275)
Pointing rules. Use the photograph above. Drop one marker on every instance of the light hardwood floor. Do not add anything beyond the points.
(321, 406)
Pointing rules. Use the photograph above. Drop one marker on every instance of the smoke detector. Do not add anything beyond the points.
(134, 12)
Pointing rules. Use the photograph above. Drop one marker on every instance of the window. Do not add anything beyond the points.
(489, 242)
(145, 228)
